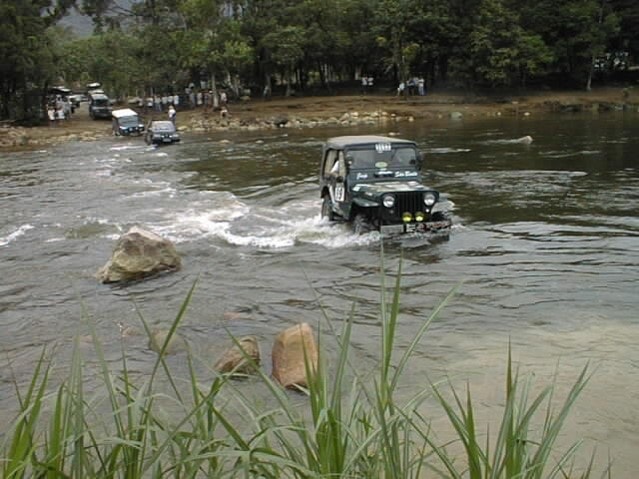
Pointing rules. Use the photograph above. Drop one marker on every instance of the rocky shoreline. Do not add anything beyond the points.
(346, 111)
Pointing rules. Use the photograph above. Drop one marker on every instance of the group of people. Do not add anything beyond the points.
(59, 109)
(205, 98)
(415, 85)
(367, 83)
(170, 103)
(162, 103)
(173, 102)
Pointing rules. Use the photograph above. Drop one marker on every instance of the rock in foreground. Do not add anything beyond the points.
(137, 255)
(236, 360)
(292, 348)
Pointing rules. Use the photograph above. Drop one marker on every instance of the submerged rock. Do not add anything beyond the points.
(175, 345)
(236, 360)
(137, 255)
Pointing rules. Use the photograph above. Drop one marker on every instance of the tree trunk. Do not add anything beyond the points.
(289, 82)
(322, 74)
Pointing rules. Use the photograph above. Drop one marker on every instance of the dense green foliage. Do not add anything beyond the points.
(313, 45)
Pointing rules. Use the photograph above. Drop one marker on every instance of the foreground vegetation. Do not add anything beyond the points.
(347, 424)
(141, 47)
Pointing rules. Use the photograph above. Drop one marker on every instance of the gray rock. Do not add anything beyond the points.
(137, 255)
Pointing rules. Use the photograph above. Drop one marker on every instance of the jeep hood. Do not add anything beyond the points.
(373, 189)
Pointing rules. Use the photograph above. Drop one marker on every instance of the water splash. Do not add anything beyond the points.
(14, 235)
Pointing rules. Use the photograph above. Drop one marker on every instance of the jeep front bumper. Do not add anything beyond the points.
(414, 227)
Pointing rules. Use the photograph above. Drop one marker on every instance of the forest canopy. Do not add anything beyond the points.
(310, 46)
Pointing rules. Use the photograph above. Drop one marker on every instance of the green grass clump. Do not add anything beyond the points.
(515, 452)
(349, 424)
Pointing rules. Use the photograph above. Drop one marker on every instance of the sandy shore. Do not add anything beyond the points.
(300, 112)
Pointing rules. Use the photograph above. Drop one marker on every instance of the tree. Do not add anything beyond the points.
(627, 37)
(392, 36)
(27, 60)
(493, 44)
(533, 58)
(286, 46)
(433, 27)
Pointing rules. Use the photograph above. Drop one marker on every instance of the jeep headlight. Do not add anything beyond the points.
(429, 199)
(388, 201)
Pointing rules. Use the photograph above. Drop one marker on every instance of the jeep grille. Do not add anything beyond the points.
(410, 201)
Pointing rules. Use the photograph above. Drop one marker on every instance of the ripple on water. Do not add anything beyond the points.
(543, 252)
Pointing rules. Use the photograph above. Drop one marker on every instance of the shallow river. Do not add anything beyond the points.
(545, 250)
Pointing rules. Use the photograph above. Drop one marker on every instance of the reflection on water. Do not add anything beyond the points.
(545, 246)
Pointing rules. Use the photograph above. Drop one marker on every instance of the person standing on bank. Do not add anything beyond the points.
(172, 114)
(421, 86)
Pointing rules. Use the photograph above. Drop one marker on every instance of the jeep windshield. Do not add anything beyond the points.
(403, 157)
(129, 121)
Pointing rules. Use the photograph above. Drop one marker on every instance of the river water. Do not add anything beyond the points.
(545, 251)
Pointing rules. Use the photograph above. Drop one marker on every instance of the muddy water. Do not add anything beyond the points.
(545, 252)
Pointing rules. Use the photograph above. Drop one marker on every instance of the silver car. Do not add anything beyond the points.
(161, 132)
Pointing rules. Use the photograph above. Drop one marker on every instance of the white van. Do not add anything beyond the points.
(126, 122)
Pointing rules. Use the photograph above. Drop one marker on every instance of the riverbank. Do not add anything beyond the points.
(346, 110)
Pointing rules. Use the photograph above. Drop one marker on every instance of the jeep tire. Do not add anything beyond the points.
(327, 208)
(361, 224)
(440, 216)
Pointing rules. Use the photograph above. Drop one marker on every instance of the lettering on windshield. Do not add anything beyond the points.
(382, 147)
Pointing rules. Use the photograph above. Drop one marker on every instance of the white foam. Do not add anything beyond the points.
(124, 147)
(447, 150)
(5, 240)
(237, 224)
(166, 192)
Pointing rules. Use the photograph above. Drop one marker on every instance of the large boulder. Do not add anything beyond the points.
(138, 254)
(235, 359)
(291, 349)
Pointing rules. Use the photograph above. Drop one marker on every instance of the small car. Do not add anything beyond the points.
(126, 122)
(161, 132)
(99, 106)
(375, 184)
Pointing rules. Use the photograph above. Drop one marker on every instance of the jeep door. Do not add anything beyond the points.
(335, 177)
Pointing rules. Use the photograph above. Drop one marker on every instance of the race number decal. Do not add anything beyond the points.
(339, 192)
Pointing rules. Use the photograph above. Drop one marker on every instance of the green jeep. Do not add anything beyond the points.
(375, 183)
